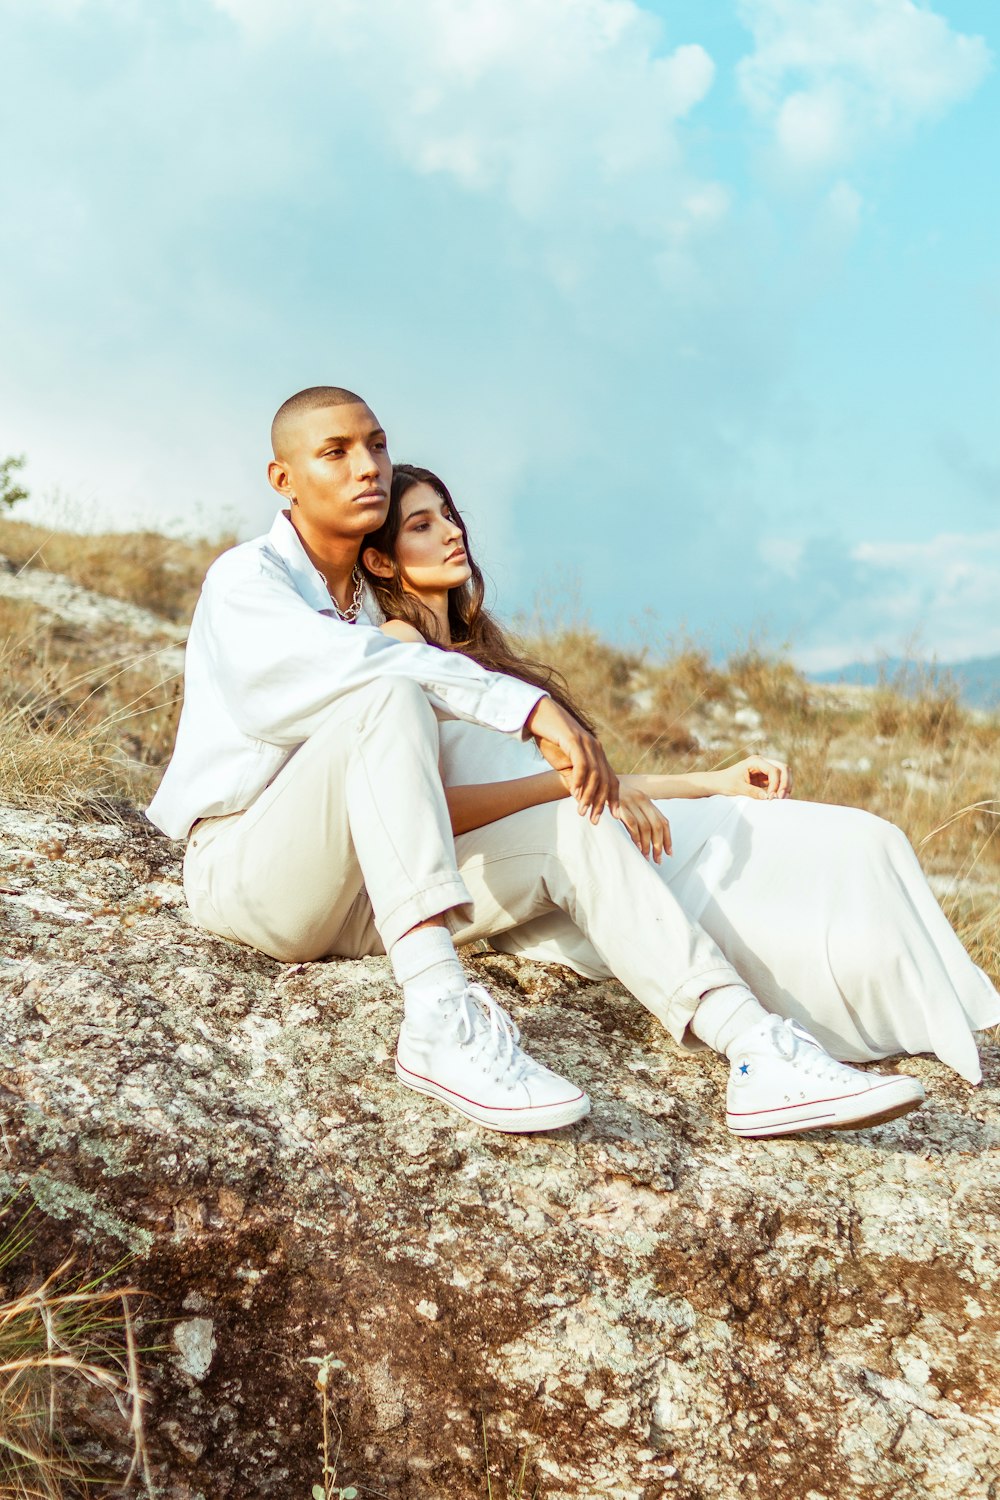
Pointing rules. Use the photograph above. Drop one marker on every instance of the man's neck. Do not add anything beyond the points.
(333, 557)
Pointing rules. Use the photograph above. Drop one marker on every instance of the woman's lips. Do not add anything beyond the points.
(459, 552)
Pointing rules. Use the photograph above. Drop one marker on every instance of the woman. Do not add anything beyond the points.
(823, 910)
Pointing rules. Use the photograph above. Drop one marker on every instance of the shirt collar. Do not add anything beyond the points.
(309, 581)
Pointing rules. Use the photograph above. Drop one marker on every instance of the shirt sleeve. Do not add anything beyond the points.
(279, 664)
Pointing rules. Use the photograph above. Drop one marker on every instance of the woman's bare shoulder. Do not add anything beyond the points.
(402, 630)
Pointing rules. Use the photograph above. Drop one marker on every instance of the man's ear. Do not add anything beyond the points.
(280, 479)
(376, 562)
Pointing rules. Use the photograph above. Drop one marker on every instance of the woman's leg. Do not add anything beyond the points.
(827, 914)
(828, 917)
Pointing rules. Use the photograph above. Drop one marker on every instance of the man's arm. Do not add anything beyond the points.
(279, 664)
(577, 755)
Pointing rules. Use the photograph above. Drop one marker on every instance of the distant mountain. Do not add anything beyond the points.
(977, 680)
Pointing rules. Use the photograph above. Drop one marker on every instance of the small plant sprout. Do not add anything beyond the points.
(329, 1489)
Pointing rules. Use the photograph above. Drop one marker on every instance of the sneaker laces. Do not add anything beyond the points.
(797, 1045)
(483, 1022)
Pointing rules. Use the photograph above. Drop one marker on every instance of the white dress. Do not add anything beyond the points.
(823, 910)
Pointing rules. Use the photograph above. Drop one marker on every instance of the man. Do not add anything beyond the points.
(305, 777)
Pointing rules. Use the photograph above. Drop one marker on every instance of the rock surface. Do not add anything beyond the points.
(92, 613)
(640, 1306)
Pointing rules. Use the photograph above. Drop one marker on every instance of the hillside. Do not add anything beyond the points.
(90, 629)
(976, 681)
(640, 1307)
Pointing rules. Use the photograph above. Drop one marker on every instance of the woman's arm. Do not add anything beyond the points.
(693, 784)
(752, 777)
(473, 806)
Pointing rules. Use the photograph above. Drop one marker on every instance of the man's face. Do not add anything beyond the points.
(335, 465)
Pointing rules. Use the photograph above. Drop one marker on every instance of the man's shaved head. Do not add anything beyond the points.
(311, 399)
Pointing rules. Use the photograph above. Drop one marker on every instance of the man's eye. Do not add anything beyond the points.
(334, 453)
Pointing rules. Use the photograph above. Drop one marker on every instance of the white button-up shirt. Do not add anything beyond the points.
(266, 656)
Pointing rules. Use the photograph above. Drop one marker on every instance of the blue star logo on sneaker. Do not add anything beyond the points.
(783, 1081)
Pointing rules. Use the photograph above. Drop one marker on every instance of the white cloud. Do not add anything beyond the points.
(564, 107)
(812, 126)
(936, 597)
(829, 75)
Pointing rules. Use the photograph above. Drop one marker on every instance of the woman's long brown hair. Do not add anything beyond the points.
(474, 632)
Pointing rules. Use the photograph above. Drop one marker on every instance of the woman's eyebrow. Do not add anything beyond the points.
(414, 513)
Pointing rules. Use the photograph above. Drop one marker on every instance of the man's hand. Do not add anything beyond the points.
(577, 755)
(647, 827)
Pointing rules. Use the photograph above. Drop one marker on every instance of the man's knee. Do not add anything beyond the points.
(604, 840)
(394, 699)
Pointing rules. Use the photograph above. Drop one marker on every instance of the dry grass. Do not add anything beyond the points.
(86, 718)
(81, 728)
(160, 573)
(67, 1347)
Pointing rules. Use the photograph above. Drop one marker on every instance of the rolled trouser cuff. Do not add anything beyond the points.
(688, 996)
(447, 897)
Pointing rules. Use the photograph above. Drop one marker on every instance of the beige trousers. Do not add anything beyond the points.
(350, 846)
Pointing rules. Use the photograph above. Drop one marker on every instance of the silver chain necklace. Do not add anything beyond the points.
(350, 614)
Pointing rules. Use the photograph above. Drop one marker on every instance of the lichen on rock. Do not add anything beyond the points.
(646, 1305)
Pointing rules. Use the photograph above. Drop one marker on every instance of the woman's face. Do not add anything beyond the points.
(430, 552)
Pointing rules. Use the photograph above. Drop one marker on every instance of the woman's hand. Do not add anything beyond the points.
(647, 827)
(754, 777)
(578, 757)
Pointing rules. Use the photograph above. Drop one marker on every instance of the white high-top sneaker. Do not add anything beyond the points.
(782, 1080)
(465, 1051)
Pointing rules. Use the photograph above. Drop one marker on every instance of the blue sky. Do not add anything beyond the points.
(696, 307)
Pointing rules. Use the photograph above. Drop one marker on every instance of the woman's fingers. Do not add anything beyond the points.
(555, 755)
(642, 836)
(632, 826)
(648, 829)
(659, 835)
(630, 818)
(767, 778)
(769, 770)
